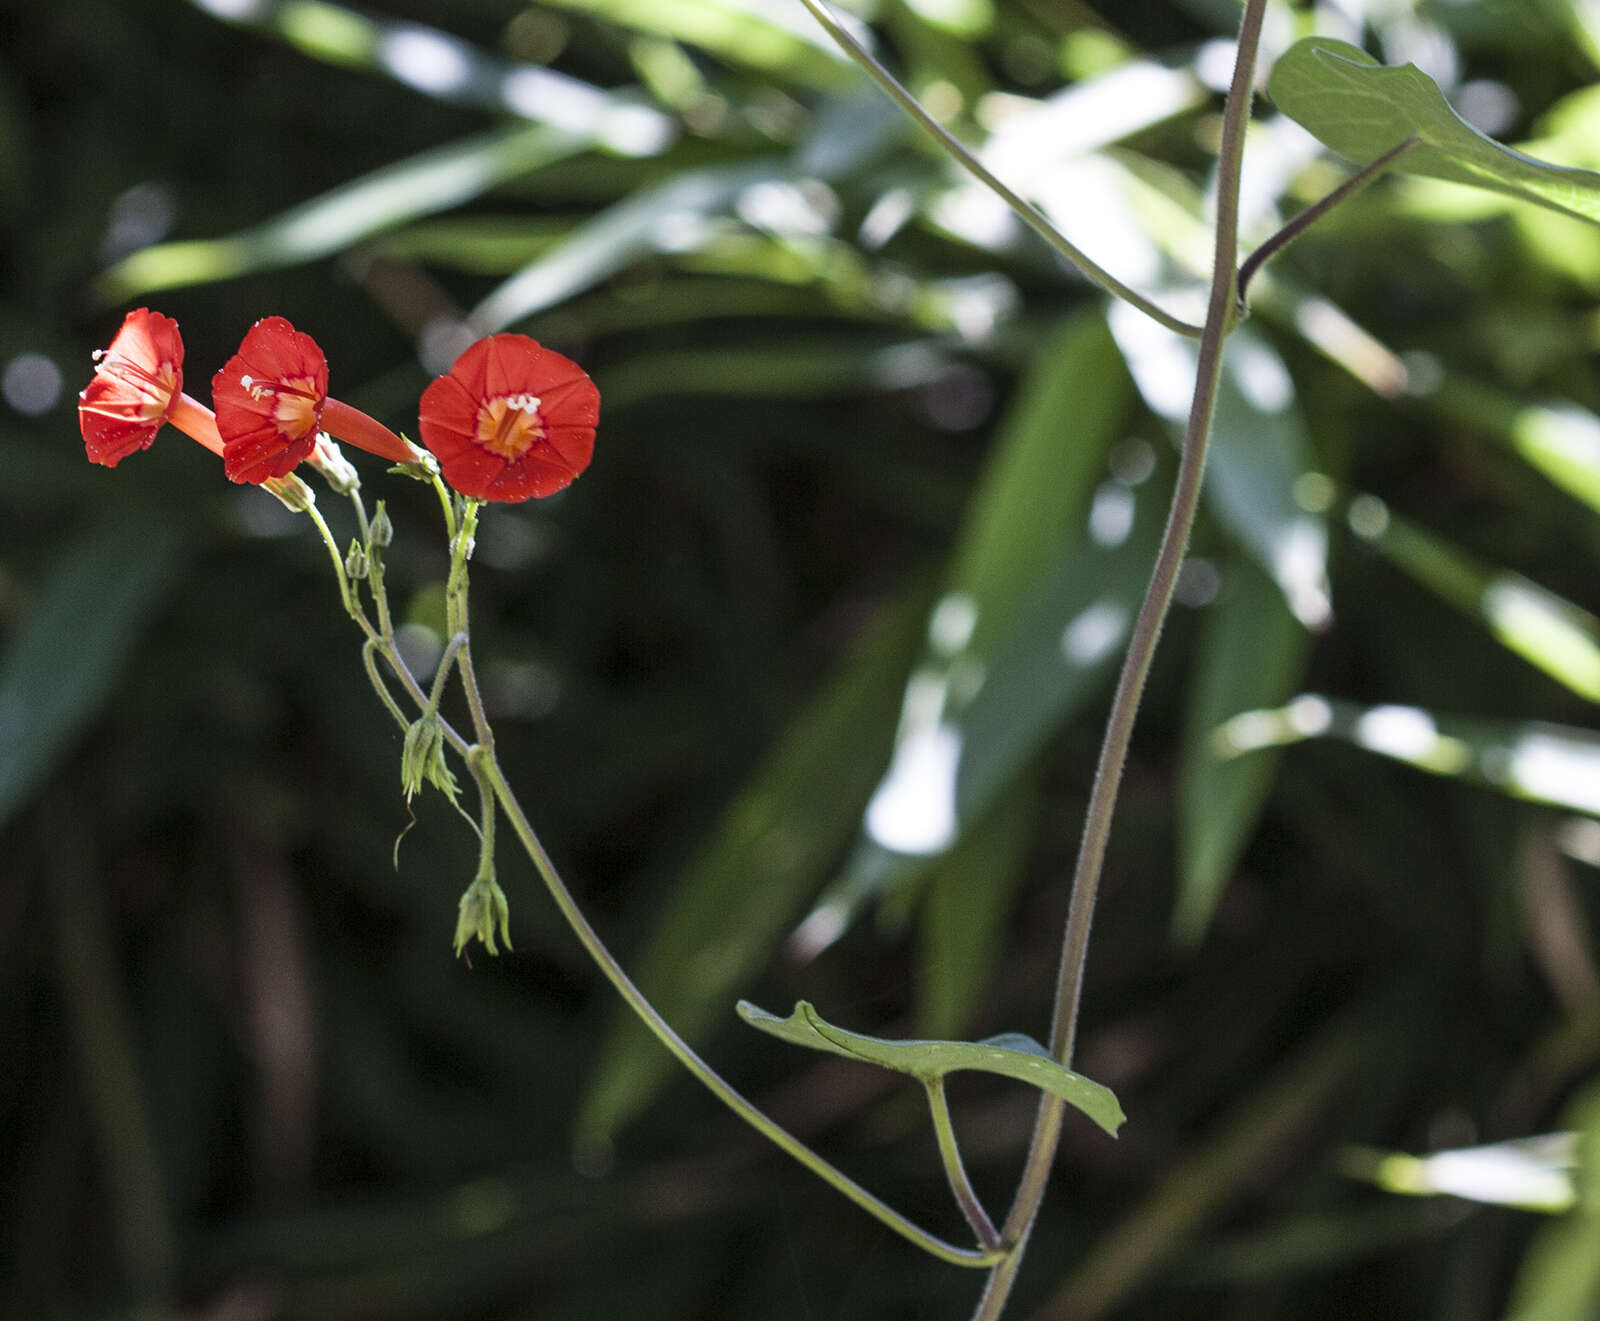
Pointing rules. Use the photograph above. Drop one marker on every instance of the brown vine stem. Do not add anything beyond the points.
(1221, 314)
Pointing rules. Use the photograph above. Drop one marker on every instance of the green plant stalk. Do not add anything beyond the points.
(483, 759)
(1221, 314)
(950, 1152)
(1313, 213)
(1035, 219)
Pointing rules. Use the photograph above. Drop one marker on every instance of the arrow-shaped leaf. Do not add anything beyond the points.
(1361, 109)
(1012, 1055)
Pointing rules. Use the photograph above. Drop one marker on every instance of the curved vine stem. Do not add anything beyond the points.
(1031, 215)
(1220, 317)
(486, 763)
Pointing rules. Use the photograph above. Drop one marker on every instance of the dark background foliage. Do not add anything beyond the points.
(244, 1076)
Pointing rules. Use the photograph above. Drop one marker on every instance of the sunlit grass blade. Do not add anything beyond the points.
(426, 184)
(1556, 764)
(1548, 632)
(441, 65)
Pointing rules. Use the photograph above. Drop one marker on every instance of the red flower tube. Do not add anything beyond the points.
(512, 420)
(137, 389)
(272, 400)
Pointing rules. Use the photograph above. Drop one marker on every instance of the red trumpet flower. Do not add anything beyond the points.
(272, 400)
(137, 389)
(512, 420)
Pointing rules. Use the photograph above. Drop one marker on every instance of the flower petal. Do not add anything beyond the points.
(269, 398)
(134, 385)
(511, 421)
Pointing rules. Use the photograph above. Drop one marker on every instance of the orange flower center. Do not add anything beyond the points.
(510, 425)
(296, 404)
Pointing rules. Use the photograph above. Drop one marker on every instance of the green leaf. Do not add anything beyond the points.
(993, 681)
(1556, 764)
(1011, 1055)
(963, 915)
(64, 662)
(1545, 630)
(1252, 652)
(1259, 449)
(767, 854)
(635, 227)
(1362, 109)
(1560, 1274)
(772, 38)
(426, 184)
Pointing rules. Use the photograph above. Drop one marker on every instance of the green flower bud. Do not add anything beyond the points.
(422, 759)
(483, 915)
(355, 561)
(381, 531)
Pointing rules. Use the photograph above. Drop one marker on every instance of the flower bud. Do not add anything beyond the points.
(381, 531)
(422, 759)
(355, 561)
(483, 915)
(328, 459)
(296, 496)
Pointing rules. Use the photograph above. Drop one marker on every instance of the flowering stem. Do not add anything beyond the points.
(1220, 318)
(685, 1055)
(1313, 213)
(483, 762)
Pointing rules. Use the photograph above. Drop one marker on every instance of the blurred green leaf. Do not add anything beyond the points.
(1361, 109)
(1012, 1055)
(1550, 633)
(1043, 584)
(64, 662)
(1252, 653)
(1259, 449)
(1035, 490)
(1532, 1174)
(765, 856)
(428, 183)
(673, 213)
(441, 65)
(967, 899)
(755, 34)
(1556, 764)
(1560, 1276)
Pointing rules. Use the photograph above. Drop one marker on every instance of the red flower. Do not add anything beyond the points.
(269, 400)
(137, 382)
(272, 400)
(512, 420)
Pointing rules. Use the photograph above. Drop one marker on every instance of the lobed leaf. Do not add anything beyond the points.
(1011, 1055)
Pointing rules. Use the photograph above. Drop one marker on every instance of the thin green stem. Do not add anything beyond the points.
(1220, 316)
(685, 1055)
(1313, 213)
(950, 1153)
(483, 757)
(1030, 214)
(369, 658)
